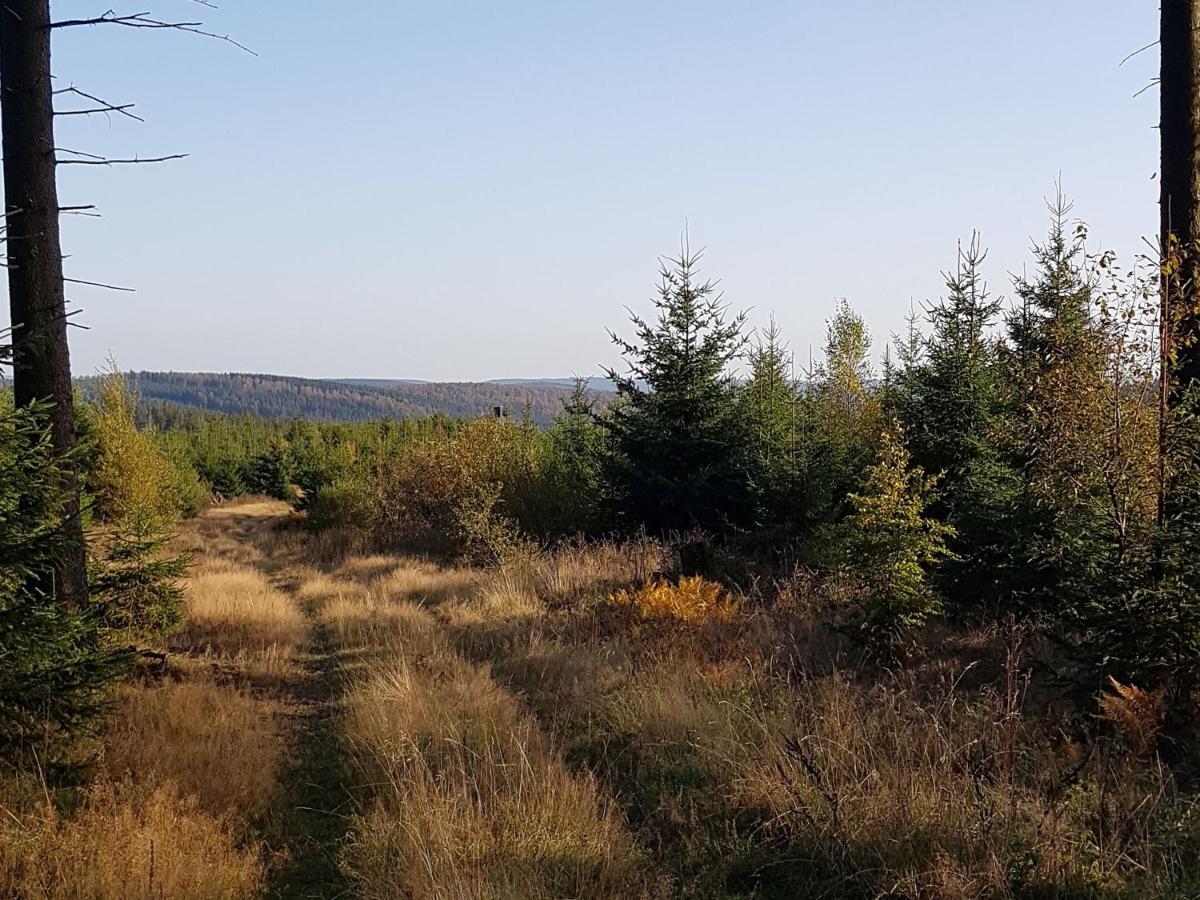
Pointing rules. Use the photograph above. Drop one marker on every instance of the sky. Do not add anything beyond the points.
(471, 190)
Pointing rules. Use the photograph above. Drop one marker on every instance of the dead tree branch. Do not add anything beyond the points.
(105, 106)
(143, 20)
(91, 159)
(107, 287)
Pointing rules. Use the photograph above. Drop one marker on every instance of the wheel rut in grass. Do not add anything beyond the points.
(311, 820)
(317, 803)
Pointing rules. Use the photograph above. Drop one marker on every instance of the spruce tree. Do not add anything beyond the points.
(54, 660)
(675, 425)
(955, 409)
(770, 401)
(1057, 365)
(577, 450)
(889, 544)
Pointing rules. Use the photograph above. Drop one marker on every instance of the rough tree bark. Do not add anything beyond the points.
(1180, 187)
(41, 368)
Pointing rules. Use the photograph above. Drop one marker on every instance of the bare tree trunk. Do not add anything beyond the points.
(41, 361)
(1180, 186)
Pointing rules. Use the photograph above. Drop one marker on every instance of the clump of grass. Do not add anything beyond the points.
(238, 613)
(494, 623)
(470, 798)
(364, 624)
(579, 570)
(433, 703)
(127, 843)
(212, 742)
(422, 582)
(496, 818)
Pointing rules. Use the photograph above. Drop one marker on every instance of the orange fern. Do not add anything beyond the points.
(1136, 714)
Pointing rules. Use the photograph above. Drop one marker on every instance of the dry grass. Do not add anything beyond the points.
(748, 768)
(422, 582)
(748, 782)
(127, 843)
(212, 742)
(493, 820)
(578, 571)
(471, 799)
(881, 787)
(365, 625)
(236, 613)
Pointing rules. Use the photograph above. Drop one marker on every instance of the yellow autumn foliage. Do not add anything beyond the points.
(132, 477)
(693, 601)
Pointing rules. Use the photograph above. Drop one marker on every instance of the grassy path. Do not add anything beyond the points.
(308, 820)
(413, 771)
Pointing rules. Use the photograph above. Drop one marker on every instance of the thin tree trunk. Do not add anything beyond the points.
(41, 361)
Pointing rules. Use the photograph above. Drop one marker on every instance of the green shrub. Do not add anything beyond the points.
(347, 503)
(463, 497)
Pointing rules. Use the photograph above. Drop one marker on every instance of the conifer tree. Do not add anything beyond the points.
(577, 463)
(771, 403)
(54, 661)
(675, 425)
(889, 545)
(40, 361)
(1058, 365)
(955, 409)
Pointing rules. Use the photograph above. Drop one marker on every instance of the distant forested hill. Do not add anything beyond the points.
(277, 396)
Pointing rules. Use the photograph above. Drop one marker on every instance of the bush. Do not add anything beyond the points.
(346, 503)
(693, 601)
(462, 497)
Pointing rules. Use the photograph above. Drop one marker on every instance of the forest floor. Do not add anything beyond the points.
(332, 723)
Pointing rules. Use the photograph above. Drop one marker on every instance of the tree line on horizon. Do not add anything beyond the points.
(286, 397)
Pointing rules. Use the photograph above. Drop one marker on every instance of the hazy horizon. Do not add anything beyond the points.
(463, 193)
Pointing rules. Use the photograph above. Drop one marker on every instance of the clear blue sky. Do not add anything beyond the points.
(470, 190)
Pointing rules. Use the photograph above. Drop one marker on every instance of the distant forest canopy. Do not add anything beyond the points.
(351, 400)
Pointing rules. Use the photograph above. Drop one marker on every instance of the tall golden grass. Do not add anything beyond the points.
(239, 615)
(127, 842)
(468, 796)
(471, 799)
(216, 743)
